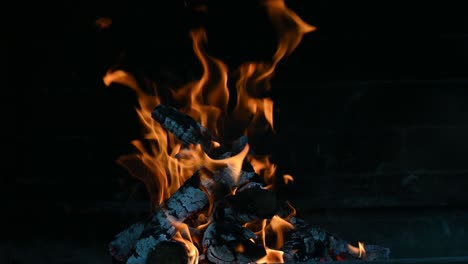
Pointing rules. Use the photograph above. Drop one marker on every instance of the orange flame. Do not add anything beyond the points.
(183, 236)
(278, 225)
(362, 250)
(206, 101)
(359, 251)
(164, 165)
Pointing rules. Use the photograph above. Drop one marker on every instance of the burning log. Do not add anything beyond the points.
(227, 240)
(238, 201)
(191, 132)
(168, 252)
(312, 243)
(135, 243)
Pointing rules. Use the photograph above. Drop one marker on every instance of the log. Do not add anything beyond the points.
(134, 244)
(227, 240)
(141, 238)
(168, 252)
(138, 237)
(251, 202)
(183, 127)
(190, 132)
(308, 243)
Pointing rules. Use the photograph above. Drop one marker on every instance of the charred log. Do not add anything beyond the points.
(183, 127)
(143, 236)
(136, 242)
(190, 132)
(238, 200)
(308, 243)
(168, 252)
(250, 203)
(227, 240)
(230, 242)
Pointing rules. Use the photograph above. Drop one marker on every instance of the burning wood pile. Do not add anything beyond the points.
(214, 198)
(247, 216)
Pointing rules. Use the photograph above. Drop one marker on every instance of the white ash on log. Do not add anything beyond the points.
(134, 244)
(191, 132)
(237, 201)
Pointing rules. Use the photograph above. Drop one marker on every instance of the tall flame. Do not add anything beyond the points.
(206, 100)
(158, 161)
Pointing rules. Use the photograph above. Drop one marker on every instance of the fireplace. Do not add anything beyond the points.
(369, 129)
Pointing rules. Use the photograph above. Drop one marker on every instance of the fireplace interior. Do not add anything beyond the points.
(370, 114)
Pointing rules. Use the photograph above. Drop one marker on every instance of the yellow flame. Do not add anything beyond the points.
(272, 255)
(279, 226)
(362, 250)
(359, 251)
(287, 178)
(183, 236)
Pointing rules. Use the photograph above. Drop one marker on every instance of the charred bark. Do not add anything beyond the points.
(136, 242)
(168, 252)
(308, 243)
(189, 131)
(226, 240)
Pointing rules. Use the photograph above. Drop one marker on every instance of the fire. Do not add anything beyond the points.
(359, 251)
(163, 163)
(278, 226)
(183, 236)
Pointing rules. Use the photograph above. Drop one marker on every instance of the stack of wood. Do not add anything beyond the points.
(235, 208)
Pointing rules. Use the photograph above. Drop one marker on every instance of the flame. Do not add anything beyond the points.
(288, 178)
(183, 236)
(263, 167)
(278, 225)
(206, 100)
(359, 251)
(362, 250)
(164, 164)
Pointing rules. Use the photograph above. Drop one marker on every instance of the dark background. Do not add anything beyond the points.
(371, 115)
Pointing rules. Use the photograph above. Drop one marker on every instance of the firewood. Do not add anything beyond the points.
(238, 200)
(168, 252)
(226, 240)
(134, 243)
(230, 242)
(190, 132)
(183, 127)
(308, 243)
(250, 203)
(188, 200)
